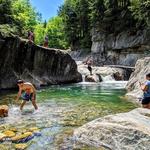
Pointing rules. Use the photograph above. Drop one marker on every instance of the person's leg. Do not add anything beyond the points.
(33, 98)
(90, 69)
(34, 104)
(22, 104)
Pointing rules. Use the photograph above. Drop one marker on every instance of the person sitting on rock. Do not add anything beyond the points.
(89, 63)
(146, 92)
(29, 93)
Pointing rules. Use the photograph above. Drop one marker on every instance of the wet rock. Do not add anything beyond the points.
(102, 72)
(9, 133)
(39, 65)
(92, 78)
(21, 146)
(34, 129)
(3, 110)
(22, 137)
(142, 67)
(126, 131)
(3, 147)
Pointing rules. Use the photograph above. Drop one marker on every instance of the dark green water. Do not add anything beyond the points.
(62, 109)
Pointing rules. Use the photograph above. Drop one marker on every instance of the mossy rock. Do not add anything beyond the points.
(21, 146)
(22, 136)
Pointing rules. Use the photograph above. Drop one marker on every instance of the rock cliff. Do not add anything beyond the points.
(21, 59)
(124, 48)
(142, 67)
(125, 131)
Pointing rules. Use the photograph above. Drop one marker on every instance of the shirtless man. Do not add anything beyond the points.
(30, 93)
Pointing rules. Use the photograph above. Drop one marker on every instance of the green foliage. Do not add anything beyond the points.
(25, 14)
(5, 12)
(54, 30)
(141, 11)
(75, 15)
(97, 8)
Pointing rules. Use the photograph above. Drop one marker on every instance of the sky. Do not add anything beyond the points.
(48, 8)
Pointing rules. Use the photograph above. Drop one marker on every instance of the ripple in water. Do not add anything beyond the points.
(62, 109)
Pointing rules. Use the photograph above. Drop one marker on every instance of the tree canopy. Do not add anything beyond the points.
(76, 19)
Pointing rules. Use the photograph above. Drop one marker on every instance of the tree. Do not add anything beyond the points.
(5, 11)
(25, 14)
(54, 31)
(141, 11)
(97, 9)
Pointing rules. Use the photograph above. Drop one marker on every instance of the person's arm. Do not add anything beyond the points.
(19, 94)
(144, 87)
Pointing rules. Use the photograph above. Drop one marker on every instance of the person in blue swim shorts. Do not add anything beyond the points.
(29, 93)
(146, 92)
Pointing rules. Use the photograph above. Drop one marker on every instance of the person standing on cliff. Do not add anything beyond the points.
(146, 92)
(31, 36)
(29, 93)
(45, 41)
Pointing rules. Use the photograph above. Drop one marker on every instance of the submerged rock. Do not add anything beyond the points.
(124, 131)
(92, 78)
(9, 133)
(39, 65)
(22, 137)
(3, 110)
(2, 136)
(21, 146)
(142, 67)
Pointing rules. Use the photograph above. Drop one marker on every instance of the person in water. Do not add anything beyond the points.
(146, 92)
(29, 93)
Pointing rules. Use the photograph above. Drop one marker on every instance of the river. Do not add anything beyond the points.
(62, 109)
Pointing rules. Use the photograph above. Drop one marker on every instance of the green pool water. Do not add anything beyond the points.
(61, 110)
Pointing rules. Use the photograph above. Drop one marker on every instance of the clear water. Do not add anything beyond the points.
(62, 109)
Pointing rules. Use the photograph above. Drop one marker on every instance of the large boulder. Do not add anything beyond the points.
(124, 131)
(41, 66)
(92, 78)
(3, 110)
(142, 67)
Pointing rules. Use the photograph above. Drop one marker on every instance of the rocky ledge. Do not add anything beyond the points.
(103, 73)
(124, 131)
(142, 67)
(41, 66)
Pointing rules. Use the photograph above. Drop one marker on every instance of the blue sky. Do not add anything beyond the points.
(48, 8)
